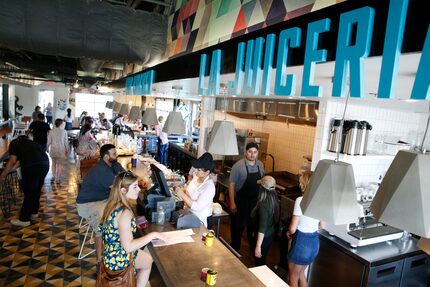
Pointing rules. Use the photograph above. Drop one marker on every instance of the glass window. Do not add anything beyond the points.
(93, 104)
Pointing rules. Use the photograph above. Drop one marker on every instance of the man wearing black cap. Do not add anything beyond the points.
(243, 193)
(201, 190)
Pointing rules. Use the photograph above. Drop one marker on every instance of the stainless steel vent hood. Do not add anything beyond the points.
(293, 111)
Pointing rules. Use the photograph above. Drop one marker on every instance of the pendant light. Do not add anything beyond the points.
(222, 139)
(149, 117)
(330, 195)
(175, 124)
(124, 109)
(116, 107)
(403, 198)
(135, 113)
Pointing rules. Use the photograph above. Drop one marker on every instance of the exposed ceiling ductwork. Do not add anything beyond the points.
(99, 35)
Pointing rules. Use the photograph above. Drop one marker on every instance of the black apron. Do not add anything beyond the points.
(246, 197)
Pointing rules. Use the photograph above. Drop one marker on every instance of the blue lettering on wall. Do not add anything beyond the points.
(312, 56)
(129, 86)
(239, 67)
(420, 91)
(202, 74)
(215, 74)
(248, 67)
(269, 53)
(352, 55)
(392, 48)
(285, 85)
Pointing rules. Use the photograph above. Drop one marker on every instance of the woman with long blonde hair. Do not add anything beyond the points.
(303, 234)
(118, 226)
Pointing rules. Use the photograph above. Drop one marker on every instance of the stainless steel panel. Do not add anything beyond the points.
(254, 107)
(416, 271)
(269, 108)
(287, 109)
(386, 275)
(307, 111)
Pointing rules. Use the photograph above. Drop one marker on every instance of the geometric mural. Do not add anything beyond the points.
(198, 24)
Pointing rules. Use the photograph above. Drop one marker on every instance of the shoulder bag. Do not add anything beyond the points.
(109, 278)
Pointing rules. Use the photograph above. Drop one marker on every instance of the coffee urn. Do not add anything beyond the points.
(351, 129)
(333, 144)
(362, 138)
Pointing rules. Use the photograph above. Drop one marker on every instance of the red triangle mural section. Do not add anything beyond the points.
(240, 22)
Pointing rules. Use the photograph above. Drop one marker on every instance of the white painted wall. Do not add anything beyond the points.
(28, 98)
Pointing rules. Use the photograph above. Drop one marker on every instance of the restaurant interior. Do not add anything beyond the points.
(339, 89)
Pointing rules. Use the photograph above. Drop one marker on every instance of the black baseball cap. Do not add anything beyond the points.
(251, 145)
(205, 161)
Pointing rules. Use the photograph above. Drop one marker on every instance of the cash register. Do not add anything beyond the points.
(160, 195)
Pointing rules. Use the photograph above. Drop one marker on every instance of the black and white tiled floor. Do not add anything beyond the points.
(46, 252)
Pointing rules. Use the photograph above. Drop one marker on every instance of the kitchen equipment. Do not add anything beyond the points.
(333, 143)
(351, 130)
(362, 138)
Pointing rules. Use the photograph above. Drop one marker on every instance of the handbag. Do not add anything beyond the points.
(124, 277)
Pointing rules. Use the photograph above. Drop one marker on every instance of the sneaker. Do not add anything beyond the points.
(18, 222)
(35, 216)
(53, 180)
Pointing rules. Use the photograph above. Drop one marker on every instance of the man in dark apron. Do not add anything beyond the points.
(243, 193)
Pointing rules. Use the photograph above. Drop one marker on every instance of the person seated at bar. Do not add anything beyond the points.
(200, 192)
(265, 216)
(86, 144)
(106, 124)
(303, 233)
(95, 190)
(118, 227)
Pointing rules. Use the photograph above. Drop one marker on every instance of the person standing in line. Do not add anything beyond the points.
(34, 163)
(303, 233)
(58, 145)
(163, 141)
(48, 113)
(69, 120)
(40, 129)
(243, 194)
(265, 216)
(35, 113)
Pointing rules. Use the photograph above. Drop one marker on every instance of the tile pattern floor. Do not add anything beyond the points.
(46, 252)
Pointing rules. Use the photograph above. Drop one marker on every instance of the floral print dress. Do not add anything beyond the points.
(114, 256)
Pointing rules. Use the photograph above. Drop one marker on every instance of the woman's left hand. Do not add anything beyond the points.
(258, 252)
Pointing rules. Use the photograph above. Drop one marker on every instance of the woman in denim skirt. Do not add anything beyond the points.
(303, 234)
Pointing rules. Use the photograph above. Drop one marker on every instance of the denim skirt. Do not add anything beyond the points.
(304, 248)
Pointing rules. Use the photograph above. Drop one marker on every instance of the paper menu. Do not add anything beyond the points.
(175, 237)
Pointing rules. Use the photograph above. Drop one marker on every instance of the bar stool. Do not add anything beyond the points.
(91, 241)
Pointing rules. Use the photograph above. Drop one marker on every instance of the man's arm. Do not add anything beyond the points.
(10, 164)
(232, 194)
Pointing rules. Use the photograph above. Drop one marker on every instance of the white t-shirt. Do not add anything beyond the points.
(306, 224)
(162, 135)
(202, 195)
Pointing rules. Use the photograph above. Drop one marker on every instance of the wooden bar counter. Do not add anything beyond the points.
(180, 264)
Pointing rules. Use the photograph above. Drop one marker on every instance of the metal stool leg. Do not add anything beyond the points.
(81, 256)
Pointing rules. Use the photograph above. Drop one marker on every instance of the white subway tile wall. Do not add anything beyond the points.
(288, 143)
(388, 125)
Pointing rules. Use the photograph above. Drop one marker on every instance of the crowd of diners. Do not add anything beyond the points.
(108, 194)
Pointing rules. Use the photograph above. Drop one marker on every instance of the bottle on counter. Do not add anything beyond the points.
(160, 216)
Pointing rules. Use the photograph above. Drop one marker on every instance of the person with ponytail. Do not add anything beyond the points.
(118, 227)
(265, 216)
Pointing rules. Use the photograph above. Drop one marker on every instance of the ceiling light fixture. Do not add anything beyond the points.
(330, 195)
(175, 123)
(222, 139)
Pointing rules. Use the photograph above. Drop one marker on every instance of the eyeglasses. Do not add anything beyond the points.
(127, 173)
